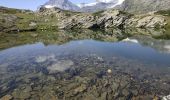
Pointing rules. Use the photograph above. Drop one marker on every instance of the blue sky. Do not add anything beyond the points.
(31, 4)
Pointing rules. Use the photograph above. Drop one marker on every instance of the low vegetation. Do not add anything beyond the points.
(99, 13)
(45, 20)
(165, 13)
(24, 21)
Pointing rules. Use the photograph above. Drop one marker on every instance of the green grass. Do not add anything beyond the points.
(167, 27)
(70, 13)
(26, 17)
(24, 20)
(12, 10)
(99, 13)
(164, 12)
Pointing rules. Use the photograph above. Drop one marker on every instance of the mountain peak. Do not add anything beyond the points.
(62, 4)
(82, 7)
(132, 6)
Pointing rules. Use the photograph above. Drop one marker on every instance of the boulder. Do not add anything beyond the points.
(6, 97)
(60, 66)
(32, 24)
(22, 93)
(166, 97)
(110, 19)
(78, 21)
(146, 21)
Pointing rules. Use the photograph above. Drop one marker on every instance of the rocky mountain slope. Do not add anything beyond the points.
(132, 6)
(143, 6)
(84, 7)
(112, 18)
(16, 20)
(62, 4)
(100, 5)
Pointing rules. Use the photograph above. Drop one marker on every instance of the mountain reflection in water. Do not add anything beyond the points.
(139, 67)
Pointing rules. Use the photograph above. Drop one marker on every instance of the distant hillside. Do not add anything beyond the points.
(132, 6)
(143, 6)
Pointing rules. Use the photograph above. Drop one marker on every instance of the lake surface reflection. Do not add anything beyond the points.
(88, 69)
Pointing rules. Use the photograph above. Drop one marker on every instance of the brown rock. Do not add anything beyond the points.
(6, 97)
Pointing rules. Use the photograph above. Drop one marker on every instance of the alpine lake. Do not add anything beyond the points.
(132, 64)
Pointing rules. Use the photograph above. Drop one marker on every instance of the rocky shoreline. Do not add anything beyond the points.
(73, 76)
(55, 18)
(112, 19)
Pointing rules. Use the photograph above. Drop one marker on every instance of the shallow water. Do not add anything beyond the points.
(138, 68)
(125, 49)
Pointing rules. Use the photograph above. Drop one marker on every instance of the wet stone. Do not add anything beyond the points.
(72, 76)
(125, 92)
(60, 66)
(48, 96)
(166, 97)
(6, 97)
(80, 89)
(135, 92)
(22, 93)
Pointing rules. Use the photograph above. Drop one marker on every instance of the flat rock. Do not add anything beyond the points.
(6, 97)
(60, 66)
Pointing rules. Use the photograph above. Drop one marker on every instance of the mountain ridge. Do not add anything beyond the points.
(144, 6)
(84, 7)
(62, 4)
(132, 6)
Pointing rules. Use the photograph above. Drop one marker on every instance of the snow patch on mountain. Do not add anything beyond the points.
(105, 1)
(49, 6)
(86, 4)
(111, 3)
(62, 4)
(118, 3)
(83, 7)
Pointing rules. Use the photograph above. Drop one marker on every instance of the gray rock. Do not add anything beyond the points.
(48, 96)
(144, 6)
(22, 93)
(166, 97)
(6, 97)
(32, 24)
(78, 21)
(110, 19)
(62, 4)
(80, 89)
(148, 21)
(60, 66)
(7, 22)
(132, 6)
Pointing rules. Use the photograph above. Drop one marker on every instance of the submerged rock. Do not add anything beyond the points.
(60, 66)
(166, 97)
(22, 93)
(41, 59)
(6, 97)
(80, 89)
(48, 96)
